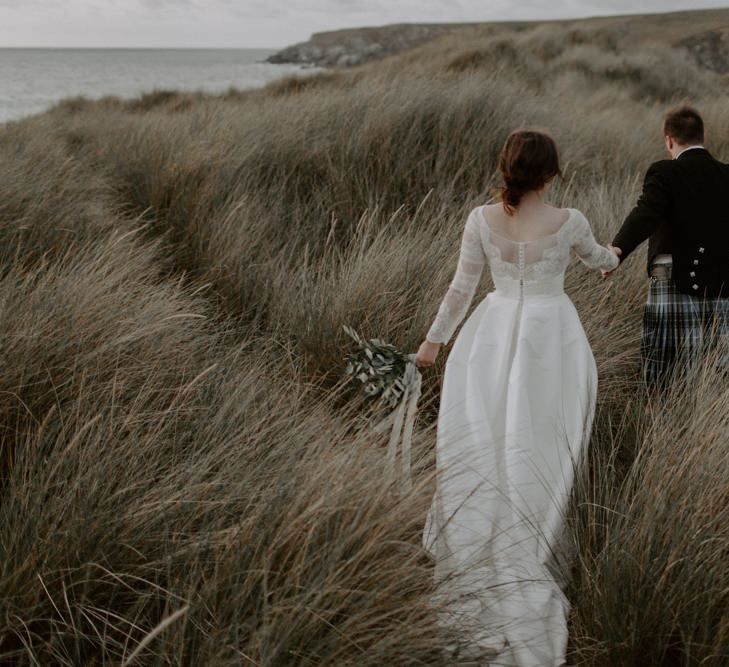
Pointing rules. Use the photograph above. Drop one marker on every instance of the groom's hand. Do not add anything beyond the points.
(617, 252)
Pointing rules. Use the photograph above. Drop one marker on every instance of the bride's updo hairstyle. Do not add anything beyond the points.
(528, 161)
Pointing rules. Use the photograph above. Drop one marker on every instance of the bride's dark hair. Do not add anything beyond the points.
(528, 161)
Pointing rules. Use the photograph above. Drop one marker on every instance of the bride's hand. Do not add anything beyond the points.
(427, 352)
(617, 252)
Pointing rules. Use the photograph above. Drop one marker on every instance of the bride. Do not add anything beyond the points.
(516, 410)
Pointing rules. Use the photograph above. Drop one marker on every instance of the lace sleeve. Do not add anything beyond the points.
(463, 285)
(589, 250)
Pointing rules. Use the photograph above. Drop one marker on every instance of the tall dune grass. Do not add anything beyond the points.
(185, 479)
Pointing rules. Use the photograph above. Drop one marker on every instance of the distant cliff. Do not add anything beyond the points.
(357, 45)
(704, 34)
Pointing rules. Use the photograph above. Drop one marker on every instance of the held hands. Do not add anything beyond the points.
(427, 352)
(617, 252)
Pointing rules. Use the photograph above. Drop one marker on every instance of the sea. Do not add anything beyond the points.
(32, 80)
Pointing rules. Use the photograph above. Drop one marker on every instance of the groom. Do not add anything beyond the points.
(684, 212)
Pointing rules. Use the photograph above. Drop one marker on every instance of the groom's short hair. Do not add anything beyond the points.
(684, 124)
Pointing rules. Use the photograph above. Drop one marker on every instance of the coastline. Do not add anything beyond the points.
(354, 46)
(702, 33)
(63, 74)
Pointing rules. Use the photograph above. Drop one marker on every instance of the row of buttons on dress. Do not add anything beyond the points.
(693, 273)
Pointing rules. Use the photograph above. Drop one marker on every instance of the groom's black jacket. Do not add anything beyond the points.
(684, 209)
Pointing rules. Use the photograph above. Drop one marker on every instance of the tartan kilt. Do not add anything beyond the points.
(679, 329)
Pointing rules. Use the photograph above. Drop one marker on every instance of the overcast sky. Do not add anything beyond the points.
(267, 23)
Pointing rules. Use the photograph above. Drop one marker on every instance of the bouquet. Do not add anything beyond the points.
(387, 373)
(379, 367)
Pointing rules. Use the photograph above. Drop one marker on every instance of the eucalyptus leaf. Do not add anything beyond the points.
(378, 366)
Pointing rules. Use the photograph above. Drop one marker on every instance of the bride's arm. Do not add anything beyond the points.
(460, 292)
(589, 250)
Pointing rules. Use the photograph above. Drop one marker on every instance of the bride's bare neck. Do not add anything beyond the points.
(532, 218)
(531, 202)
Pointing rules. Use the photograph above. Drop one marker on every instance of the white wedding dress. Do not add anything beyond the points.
(516, 410)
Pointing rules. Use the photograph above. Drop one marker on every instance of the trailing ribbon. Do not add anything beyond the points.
(402, 420)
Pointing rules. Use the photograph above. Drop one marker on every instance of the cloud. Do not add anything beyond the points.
(265, 23)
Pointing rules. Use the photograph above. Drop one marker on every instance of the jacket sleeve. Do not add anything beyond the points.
(652, 209)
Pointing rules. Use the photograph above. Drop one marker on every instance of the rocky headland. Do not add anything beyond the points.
(704, 34)
(342, 48)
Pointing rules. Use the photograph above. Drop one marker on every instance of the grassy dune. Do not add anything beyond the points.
(185, 477)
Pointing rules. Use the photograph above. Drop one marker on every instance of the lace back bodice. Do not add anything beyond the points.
(517, 267)
(512, 252)
(528, 260)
